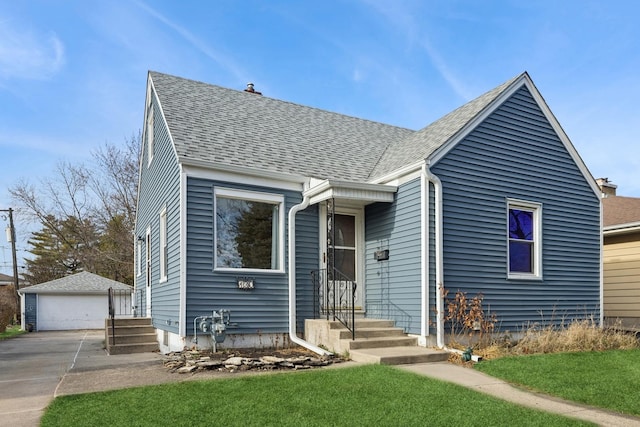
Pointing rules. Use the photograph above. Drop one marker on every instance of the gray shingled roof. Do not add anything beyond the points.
(79, 283)
(423, 143)
(228, 127)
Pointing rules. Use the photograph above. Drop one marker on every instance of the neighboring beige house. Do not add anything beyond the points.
(621, 257)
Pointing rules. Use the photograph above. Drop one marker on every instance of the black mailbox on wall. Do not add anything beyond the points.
(381, 255)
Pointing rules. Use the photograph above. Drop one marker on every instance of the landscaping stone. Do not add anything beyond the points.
(193, 361)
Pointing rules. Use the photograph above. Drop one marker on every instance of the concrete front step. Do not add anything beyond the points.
(132, 330)
(398, 355)
(367, 332)
(132, 335)
(380, 342)
(133, 348)
(148, 338)
(363, 323)
(129, 321)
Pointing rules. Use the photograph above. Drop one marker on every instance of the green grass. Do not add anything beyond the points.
(371, 395)
(11, 331)
(608, 379)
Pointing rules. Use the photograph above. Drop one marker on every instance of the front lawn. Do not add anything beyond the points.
(371, 395)
(608, 379)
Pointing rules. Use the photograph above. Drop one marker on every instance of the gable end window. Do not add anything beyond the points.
(249, 230)
(524, 235)
(163, 245)
(149, 134)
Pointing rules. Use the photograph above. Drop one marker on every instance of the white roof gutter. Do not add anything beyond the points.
(292, 280)
(613, 230)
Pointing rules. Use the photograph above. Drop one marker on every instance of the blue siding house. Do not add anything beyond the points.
(274, 211)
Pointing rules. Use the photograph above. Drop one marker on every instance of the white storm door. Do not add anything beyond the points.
(346, 247)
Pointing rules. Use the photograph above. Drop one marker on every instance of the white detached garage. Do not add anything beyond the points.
(79, 301)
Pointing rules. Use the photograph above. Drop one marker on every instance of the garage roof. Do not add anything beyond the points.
(79, 283)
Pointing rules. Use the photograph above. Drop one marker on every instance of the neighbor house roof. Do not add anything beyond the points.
(211, 125)
(620, 210)
(5, 279)
(79, 283)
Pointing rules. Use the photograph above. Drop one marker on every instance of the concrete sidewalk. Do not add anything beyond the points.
(480, 382)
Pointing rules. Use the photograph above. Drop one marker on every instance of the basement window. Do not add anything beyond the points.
(249, 230)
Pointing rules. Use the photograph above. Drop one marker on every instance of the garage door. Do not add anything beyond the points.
(63, 312)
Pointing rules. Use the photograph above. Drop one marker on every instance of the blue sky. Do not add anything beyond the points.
(73, 72)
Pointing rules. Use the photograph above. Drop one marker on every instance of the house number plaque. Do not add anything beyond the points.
(246, 283)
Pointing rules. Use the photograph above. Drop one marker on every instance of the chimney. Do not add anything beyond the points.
(606, 187)
(250, 89)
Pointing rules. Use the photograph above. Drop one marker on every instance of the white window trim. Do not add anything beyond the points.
(150, 138)
(139, 256)
(256, 197)
(163, 243)
(536, 208)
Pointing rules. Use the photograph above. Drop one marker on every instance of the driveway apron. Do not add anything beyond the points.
(31, 367)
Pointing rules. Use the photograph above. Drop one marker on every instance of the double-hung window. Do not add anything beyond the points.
(163, 245)
(139, 256)
(249, 230)
(524, 239)
(149, 134)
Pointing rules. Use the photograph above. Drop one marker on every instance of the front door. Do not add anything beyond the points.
(343, 242)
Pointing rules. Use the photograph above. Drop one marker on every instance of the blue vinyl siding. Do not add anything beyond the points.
(160, 187)
(260, 310)
(31, 310)
(515, 153)
(396, 227)
(307, 259)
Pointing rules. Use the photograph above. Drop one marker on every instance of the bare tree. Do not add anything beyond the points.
(88, 207)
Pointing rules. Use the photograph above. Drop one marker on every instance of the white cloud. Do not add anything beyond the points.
(28, 55)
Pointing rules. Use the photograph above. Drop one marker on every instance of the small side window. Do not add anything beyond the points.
(149, 134)
(524, 236)
(139, 256)
(163, 246)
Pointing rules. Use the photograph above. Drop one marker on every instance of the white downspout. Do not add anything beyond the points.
(292, 280)
(437, 185)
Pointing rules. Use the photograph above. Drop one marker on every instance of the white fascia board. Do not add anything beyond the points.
(526, 81)
(244, 175)
(613, 230)
(442, 151)
(63, 292)
(164, 120)
(402, 175)
(354, 191)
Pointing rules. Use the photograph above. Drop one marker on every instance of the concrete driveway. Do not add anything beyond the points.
(36, 367)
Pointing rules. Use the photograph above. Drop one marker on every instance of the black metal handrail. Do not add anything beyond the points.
(335, 297)
(120, 305)
(380, 309)
(112, 315)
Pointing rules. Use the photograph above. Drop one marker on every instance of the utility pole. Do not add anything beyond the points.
(11, 236)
